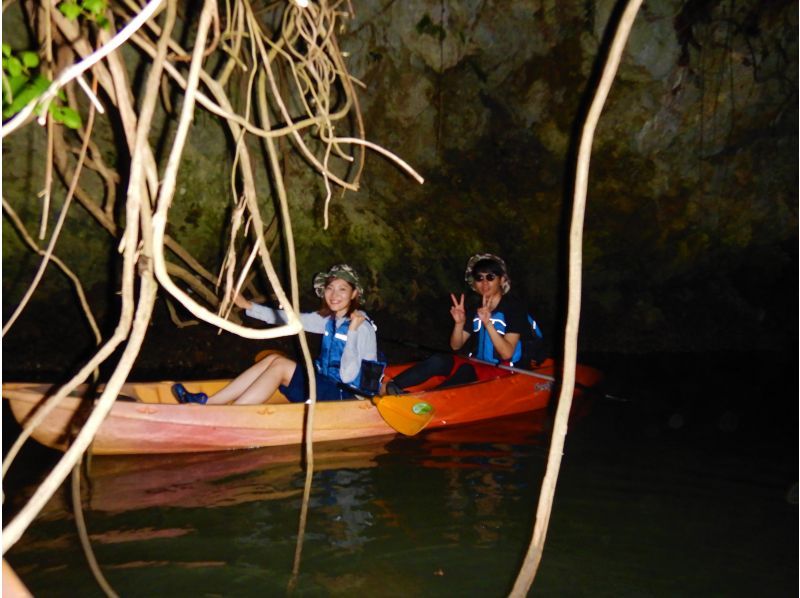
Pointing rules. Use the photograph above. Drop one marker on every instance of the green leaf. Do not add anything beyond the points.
(65, 115)
(15, 84)
(40, 84)
(6, 50)
(30, 92)
(30, 59)
(70, 10)
(103, 22)
(12, 66)
(20, 101)
(8, 95)
(95, 7)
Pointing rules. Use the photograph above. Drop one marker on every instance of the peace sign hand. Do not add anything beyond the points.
(484, 311)
(457, 310)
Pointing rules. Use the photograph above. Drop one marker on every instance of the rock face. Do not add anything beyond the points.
(691, 224)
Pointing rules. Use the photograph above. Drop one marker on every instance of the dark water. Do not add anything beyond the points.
(663, 494)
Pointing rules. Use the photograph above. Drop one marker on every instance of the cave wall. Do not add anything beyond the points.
(691, 224)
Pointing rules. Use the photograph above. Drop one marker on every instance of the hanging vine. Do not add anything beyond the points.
(284, 56)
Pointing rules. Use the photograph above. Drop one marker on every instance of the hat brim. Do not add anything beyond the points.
(337, 272)
(470, 280)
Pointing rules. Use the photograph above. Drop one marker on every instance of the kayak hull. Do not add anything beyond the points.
(147, 419)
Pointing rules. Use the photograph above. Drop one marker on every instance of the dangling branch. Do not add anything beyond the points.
(56, 231)
(534, 555)
(320, 81)
(9, 212)
(79, 68)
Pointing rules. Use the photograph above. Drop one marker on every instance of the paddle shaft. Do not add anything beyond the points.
(475, 359)
(516, 370)
(583, 387)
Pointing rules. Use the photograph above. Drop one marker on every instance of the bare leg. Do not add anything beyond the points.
(279, 372)
(242, 383)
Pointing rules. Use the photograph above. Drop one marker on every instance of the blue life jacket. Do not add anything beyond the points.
(537, 332)
(484, 349)
(334, 338)
(330, 356)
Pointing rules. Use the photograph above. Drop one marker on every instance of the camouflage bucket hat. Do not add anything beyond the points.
(478, 257)
(341, 271)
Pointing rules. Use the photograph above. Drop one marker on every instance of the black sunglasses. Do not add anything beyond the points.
(480, 277)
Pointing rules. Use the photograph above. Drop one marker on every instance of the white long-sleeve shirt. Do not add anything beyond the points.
(361, 343)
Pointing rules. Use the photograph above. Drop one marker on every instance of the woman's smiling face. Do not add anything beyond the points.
(338, 295)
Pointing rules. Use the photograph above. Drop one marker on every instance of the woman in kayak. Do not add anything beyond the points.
(348, 338)
(503, 332)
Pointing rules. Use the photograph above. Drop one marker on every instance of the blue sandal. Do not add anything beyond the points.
(184, 396)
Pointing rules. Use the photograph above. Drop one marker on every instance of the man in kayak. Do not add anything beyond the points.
(499, 329)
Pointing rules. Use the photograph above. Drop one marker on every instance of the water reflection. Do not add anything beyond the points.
(118, 484)
(440, 514)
